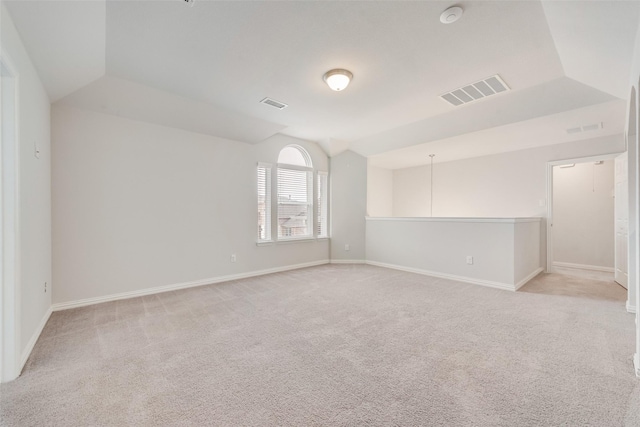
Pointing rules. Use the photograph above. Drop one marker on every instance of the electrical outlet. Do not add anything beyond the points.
(45, 287)
(470, 260)
(346, 247)
(233, 257)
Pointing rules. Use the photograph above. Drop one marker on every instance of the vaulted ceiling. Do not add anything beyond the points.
(205, 68)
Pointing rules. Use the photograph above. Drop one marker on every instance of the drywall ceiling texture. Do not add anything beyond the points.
(65, 40)
(590, 47)
(216, 60)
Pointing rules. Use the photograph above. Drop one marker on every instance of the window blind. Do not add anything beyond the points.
(323, 211)
(295, 203)
(264, 202)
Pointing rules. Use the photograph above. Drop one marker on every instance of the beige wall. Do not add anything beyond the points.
(583, 214)
(34, 190)
(348, 206)
(411, 192)
(138, 206)
(379, 192)
(505, 252)
(503, 185)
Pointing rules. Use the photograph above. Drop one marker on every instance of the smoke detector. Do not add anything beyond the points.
(451, 15)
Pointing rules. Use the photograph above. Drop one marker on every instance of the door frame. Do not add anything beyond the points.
(625, 159)
(550, 165)
(9, 225)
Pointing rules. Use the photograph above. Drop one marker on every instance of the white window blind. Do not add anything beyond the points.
(323, 211)
(295, 203)
(264, 202)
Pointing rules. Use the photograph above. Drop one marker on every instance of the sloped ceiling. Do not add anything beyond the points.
(205, 68)
(65, 39)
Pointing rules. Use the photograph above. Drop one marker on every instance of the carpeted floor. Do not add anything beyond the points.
(337, 345)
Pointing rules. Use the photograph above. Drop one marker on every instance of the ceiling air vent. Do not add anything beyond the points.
(586, 128)
(475, 91)
(279, 105)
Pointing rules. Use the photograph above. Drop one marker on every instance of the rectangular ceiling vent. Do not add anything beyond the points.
(475, 91)
(279, 105)
(586, 128)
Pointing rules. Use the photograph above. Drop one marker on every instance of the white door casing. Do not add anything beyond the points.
(621, 209)
(9, 290)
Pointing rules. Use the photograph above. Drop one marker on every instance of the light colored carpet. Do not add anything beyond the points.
(336, 345)
(585, 274)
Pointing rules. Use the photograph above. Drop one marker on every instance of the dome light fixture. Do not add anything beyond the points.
(337, 79)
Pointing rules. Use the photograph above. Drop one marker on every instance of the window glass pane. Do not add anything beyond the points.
(292, 155)
(323, 210)
(264, 203)
(294, 203)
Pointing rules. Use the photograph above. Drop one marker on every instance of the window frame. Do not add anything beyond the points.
(319, 226)
(310, 204)
(268, 167)
(313, 208)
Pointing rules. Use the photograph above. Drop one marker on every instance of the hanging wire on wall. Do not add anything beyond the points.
(431, 182)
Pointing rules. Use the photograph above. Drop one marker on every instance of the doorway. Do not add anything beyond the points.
(581, 237)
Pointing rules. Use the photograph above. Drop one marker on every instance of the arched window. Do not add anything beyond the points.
(294, 155)
(294, 198)
(295, 193)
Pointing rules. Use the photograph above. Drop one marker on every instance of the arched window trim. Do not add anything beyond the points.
(305, 156)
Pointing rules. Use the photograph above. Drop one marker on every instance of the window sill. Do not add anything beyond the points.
(289, 241)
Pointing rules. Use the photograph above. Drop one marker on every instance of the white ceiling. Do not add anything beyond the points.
(540, 131)
(65, 40)
(205, 68)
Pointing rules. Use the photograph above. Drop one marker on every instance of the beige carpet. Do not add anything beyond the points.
(337, 346)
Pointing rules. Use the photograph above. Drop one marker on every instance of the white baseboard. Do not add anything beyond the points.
(630, 308)
(533, 274)
(583, 266)
(348, 261)
(34, 338)
(488, 283)
(167, 288)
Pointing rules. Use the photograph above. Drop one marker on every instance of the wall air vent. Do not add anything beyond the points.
(277, 104)
(475, 91)
(586, 128)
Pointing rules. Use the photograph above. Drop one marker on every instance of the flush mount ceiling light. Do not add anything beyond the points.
(337, 79)
(451, 15)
